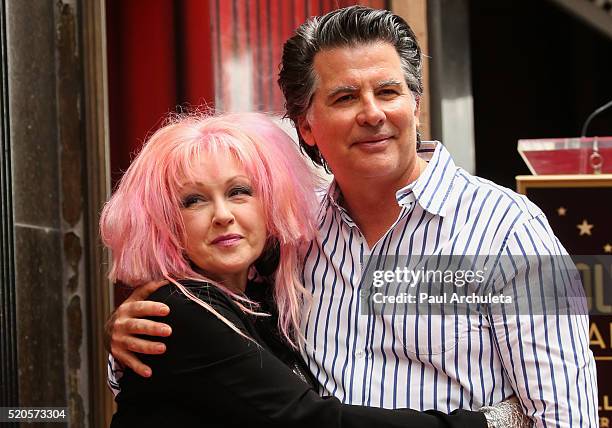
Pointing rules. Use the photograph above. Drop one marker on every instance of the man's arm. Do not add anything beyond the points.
(211, 369)
(543, 339)
(127, 322)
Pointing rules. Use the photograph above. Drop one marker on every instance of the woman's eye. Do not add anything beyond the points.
(241, 190)
(191, 200)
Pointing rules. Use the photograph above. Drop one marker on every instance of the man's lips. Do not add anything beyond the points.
(373, 139)
(226, 240)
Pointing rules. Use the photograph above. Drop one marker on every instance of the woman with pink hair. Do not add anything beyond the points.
(219, 207)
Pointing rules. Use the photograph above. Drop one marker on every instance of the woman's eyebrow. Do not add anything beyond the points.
(204, 184)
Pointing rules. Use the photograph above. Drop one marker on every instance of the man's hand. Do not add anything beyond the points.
(126, 322)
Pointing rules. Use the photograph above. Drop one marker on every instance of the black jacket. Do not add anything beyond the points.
(210, 376)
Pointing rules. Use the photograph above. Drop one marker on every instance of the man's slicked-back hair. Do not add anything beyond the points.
(348, 27)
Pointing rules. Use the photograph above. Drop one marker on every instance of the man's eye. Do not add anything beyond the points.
(191, 200)
(343, 99)
(241, 190)
(388, 92)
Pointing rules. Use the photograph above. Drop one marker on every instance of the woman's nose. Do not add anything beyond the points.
(223, 214)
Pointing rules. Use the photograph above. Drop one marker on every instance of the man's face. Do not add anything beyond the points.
(363, 117)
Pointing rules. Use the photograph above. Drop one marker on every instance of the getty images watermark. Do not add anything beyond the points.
(413, 278)
(503, 285)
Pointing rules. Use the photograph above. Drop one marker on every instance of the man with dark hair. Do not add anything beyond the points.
(297, 77)
(352, 84)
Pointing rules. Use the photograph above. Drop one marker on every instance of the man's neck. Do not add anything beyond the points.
(372, 204)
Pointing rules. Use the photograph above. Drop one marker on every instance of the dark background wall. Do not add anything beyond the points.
(49, 220)
(537, 72)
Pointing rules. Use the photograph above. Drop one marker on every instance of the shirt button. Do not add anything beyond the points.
(359, 354)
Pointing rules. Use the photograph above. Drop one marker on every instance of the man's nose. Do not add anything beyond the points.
(223, 215)
(371, 114)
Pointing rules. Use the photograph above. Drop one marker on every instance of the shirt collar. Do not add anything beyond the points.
(434, 185)
(431, 189)
(334, 198)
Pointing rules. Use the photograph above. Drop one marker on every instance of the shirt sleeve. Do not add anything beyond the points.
(542, 338)
(213, 368)
(114, 372)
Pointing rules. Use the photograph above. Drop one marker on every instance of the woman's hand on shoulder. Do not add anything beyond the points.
(128, 321)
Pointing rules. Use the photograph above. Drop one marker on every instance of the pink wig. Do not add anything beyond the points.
(142, 222)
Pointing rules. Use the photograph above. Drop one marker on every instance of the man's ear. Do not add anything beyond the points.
(306, 131)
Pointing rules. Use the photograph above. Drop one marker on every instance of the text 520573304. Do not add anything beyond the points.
(33, 414)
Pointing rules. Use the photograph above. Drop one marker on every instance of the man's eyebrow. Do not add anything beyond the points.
(390, 82)
(347, 89)
(341, 90)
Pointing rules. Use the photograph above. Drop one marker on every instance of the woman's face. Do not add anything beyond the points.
(224, 221)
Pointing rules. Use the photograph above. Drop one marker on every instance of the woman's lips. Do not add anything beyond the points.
(226, 240)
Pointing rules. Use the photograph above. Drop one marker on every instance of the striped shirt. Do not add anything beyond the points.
(444, 362)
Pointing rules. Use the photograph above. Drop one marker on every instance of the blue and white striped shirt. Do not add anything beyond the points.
(444, 362)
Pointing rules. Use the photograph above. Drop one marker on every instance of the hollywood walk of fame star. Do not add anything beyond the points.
(585, 228)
